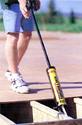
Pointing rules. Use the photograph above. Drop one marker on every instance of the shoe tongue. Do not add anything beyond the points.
(15, 75)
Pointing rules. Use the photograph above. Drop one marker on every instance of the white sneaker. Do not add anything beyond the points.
(17, 83)
(8, 75)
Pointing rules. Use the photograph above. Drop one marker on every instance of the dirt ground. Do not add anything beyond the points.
(65, 53)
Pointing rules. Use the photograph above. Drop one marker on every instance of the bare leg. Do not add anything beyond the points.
(11, 51)
(22, 44)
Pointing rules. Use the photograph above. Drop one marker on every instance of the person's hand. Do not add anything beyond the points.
(24, 10)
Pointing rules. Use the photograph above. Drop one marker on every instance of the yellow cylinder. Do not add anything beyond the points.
(57, 90)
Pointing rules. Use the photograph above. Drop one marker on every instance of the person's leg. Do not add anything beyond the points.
(15, 25)
(11, 51)
(22, 44)
(17, 82)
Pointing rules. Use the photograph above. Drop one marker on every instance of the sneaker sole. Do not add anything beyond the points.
(20, 92)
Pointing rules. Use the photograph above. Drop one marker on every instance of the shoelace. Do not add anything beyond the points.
(17, 80)
(18, 77)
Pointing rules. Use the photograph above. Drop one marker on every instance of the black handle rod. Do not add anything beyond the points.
(41, 40)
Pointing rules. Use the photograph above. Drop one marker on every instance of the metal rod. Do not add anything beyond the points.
(41, 41)
(64, 111)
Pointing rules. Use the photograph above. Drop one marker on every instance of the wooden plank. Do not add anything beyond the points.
(64, 122)
(39, 91)
(43, 113)
(78, 103)
(5, 121)
(63, 53)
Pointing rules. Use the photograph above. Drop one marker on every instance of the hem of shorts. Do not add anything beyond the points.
(18, 31)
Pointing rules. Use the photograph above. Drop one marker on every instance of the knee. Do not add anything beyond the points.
(27, 36)
(13, 36)
(12, 39)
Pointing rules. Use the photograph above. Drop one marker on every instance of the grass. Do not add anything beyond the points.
(1, 25)
(65, 27)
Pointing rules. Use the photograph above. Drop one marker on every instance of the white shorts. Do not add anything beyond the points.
(15, 22)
